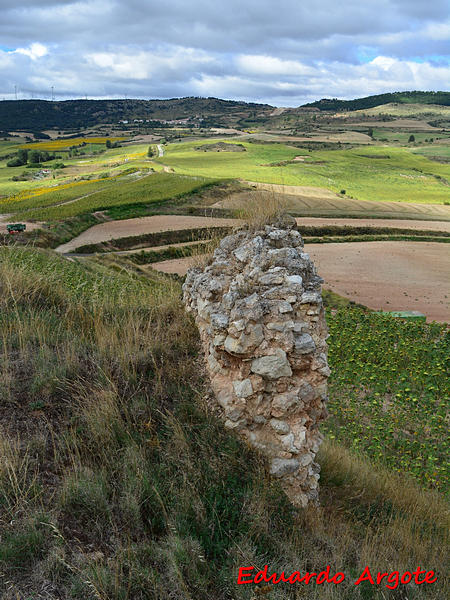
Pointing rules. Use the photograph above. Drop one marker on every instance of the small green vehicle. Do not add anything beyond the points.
(15, 227)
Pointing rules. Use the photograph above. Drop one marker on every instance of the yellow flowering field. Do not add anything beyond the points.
(51, 145)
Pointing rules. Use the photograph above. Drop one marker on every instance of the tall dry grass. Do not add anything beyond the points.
(257, 209)
(117, 482)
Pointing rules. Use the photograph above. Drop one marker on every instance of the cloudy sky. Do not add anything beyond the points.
(284, 52)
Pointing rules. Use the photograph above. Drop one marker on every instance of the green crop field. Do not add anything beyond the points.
(388, 392)
(434, 151)
(48, 196)
(369, 173)
(147, 190)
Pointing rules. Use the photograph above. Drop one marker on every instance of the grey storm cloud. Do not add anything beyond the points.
(284, 52)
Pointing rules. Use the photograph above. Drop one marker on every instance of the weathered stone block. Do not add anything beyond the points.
(273, 366)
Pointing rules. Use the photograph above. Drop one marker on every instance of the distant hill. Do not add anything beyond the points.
(441, 98)
(36, 115)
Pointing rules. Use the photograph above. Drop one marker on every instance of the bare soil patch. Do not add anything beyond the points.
(179, 266)
(127, 227)
(388, 275)
(380, 275)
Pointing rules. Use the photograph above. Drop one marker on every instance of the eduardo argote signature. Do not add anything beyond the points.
(391, 580)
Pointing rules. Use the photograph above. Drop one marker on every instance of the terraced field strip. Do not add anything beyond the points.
(159, 223)
(158, 248)
(127, 227)
(380, 275)
(436, 226)
(319, 202)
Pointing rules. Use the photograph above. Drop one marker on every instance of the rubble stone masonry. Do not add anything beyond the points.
(259, 310)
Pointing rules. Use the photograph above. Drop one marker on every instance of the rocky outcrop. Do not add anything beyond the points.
(259, 311)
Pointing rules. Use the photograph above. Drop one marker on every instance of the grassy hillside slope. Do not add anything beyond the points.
(118, 482)
(114, 194)
(375, 173)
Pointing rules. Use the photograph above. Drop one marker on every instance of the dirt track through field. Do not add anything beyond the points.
(128, 227)
(380, 275)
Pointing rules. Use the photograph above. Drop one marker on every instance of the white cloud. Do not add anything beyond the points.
(384, 62)
(271, 65)
(34, 51)
(145, 64)
(438, 31)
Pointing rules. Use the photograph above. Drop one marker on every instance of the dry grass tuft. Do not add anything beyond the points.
(258, 211)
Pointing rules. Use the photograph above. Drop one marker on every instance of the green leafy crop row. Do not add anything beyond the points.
(389, 392)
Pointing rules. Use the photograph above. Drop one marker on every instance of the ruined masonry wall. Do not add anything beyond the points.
(259, 311)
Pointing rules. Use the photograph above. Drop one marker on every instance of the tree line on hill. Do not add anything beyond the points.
(416, 97)
(32, 115)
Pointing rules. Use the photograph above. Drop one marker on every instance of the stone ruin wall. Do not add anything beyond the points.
(259, 311)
